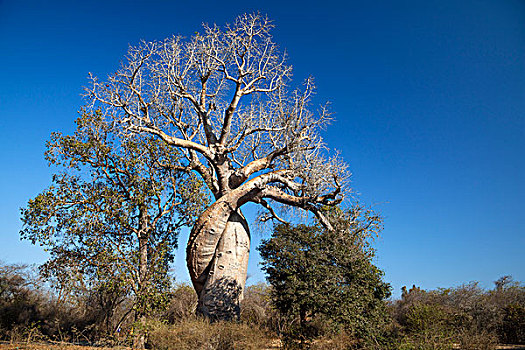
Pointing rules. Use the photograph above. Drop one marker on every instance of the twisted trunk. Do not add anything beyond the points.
(217, 258)
(219, 246)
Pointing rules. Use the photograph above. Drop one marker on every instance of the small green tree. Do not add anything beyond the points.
(112, 215)
(323, 273)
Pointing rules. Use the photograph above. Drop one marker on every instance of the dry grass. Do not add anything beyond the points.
(198, 333)
(274, 344)
(45, 346)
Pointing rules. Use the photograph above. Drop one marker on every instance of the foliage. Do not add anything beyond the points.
(182, 305)
(28, 312)
(508, 298)
(513, 324)
(256, 307)
(421, 320)
(327, 275)
(111, 217)
(18, 302)
(465, 315)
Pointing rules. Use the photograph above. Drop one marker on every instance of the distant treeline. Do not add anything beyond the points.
(466, 316)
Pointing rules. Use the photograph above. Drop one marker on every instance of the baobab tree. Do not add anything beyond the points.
(222, 97)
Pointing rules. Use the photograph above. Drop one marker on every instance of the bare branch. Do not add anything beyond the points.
(222, 98)
(273, 215)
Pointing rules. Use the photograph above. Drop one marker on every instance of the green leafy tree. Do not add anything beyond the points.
(112, 215)
(319, 273)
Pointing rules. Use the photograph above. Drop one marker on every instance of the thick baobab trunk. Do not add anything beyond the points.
(217, 257)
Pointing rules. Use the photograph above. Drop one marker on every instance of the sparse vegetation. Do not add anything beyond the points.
(466, 317)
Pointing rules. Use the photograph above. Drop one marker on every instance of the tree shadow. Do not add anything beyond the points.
(220, 300)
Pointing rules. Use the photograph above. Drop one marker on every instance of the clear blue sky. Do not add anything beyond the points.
(429, 98)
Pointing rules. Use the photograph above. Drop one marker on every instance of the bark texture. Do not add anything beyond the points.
(217, 257)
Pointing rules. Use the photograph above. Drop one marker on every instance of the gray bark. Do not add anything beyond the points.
(217, 257)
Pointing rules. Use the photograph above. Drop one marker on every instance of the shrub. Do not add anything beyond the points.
(466, 315)
(183, 302)
(475, 339)
(256, 306)
(513, 324)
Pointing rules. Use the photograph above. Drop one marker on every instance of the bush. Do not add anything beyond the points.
(513, 324)
(466, 315)
(256, 306)
(30, 311)
(183, 302)
(474, 339)
(339, 341)
(428, 326)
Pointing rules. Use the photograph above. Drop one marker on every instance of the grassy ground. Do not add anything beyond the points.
(31, 346)
(26, 346)
(42, 346)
